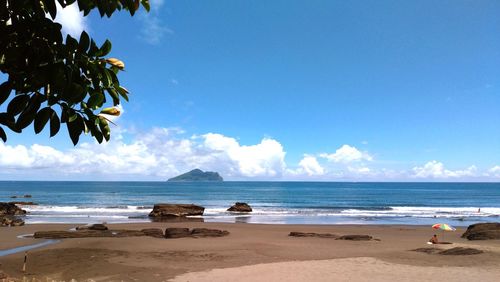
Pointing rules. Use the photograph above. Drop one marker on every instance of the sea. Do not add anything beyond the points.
(458, 204)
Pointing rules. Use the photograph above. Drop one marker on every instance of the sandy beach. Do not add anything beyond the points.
(251, 252)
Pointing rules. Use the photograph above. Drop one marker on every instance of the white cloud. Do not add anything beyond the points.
(72, 20)
(309, 165)
(165, 152)
(265, 159)
(153, 28)
(157, 154)
(359, 170)
(435, 169)
(494, 171)
(347, 154)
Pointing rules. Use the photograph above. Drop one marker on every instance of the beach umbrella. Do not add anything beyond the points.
(443, 227)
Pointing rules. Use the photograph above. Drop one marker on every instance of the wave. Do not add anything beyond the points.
(85, 210)
(131, 213)
(373, 213)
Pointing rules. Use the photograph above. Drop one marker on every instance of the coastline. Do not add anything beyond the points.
(248, 245)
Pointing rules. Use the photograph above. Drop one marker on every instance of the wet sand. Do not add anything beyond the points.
(251, 252)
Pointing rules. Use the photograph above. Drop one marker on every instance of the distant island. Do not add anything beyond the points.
(197, 175)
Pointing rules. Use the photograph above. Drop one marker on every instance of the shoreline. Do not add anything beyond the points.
(248, 244)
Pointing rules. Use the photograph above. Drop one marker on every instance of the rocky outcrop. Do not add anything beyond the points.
(98, 226)
(240, 207)
(94, 233)
(310, 234)
(205, 232)
(11, 221)
(460, 251)
(169, 210)
(482, 231)
(171, 233)
(177, 232)
(153, 232)
(10, 209)
(457, 251)
(355, 237)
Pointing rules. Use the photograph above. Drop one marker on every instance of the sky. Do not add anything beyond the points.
(289, 90)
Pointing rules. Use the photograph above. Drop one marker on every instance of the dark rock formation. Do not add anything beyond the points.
(153, 232)
(17, 222)
(457, 251)
(160, 210)
(195, 233)
(10, 209)
(318, 235)
(240, 207)
(27, 196)
(177, 232)
(355, 237)
(93, 233)
(205, 232)
(93, 227)
(427, 250)
(11, 221)
(197, 175)
(482, 231)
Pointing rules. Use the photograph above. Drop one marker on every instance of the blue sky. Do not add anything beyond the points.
(292, 90)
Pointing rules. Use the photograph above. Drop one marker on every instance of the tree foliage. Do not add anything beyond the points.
(53, 80)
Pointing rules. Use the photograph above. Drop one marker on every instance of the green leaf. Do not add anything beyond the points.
(84, 43)
(3, 135)
(75, 129)
(50, 7)
(71, 43)
(94, 130)
(145, 4)
(41, 119)
(5, 91)
(105, 49)
(93, 48)
(55, 124)
(72, 117)
(116, 99)
(111, 111)
(29, 113)
(95, 100)
(123, 92)
(18, 104)
(104, 126)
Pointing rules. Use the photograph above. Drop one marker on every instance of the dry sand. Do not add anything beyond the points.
(252, 252)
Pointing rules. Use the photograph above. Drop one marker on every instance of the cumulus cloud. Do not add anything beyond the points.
(435, 169)
(263, 159)
(153, 29)
(161, 153)
(494, 171)
(347, 154)
(72, 20)
(310, 166)
(158, 154)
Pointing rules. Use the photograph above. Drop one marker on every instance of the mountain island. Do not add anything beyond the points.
(197, 175)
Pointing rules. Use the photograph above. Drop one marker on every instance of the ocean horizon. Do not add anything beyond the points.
(273, 202)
